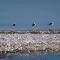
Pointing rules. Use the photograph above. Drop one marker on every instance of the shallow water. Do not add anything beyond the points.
(33, 57)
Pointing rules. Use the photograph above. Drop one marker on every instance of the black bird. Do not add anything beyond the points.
(51, 23)
(14, 24)
(33, 24)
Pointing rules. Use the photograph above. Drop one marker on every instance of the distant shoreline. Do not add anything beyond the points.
(33, 31)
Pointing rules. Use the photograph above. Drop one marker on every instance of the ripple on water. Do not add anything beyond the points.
(55, 56)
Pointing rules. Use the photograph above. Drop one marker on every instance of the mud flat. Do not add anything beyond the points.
(29, 42)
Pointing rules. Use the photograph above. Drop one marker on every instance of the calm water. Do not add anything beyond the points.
(33, 57)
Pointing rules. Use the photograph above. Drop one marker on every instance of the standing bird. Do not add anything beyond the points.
(51, 24)
(33, 26)
(13, 26)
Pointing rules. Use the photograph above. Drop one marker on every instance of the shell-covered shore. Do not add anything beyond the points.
(33, 42)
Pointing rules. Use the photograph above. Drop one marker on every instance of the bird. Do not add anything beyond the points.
(14, 24)
(33, 24)
(51, 23)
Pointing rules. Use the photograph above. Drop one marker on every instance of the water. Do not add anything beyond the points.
(33, 57)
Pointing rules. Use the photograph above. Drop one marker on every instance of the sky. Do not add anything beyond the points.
(24, 12)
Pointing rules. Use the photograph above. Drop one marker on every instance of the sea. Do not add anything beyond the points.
(32, 57)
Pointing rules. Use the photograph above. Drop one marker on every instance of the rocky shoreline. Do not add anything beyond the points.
(32, 42)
